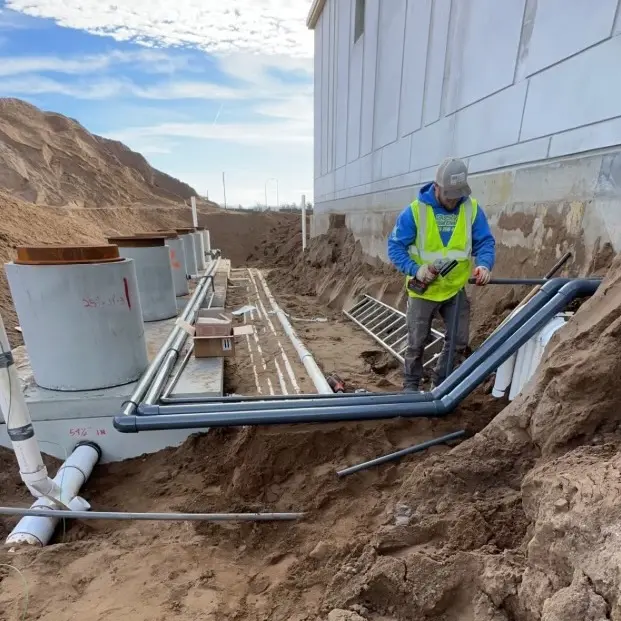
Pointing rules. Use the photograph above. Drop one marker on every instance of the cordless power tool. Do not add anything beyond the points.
(440, 267)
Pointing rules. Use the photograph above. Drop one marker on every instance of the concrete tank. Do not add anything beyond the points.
(153, 272)
(190, 254)
(177, 258)
(80, 315)
(199, 249)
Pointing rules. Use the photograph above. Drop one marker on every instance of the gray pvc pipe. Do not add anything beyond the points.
(346, 400)
(167, 517)
(487, 361)
(417, 448)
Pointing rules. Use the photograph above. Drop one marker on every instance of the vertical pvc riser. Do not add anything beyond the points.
(199, 250)
(190, 254)
(207, 239)
(178, 265)
(82, 324)
(155, 281)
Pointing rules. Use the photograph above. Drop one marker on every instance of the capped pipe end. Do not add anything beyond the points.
(125, 424)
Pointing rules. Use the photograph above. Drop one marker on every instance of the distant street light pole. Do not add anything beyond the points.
(277, 192)
(224, 188)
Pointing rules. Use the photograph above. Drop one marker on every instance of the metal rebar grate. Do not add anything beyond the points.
(388, 327)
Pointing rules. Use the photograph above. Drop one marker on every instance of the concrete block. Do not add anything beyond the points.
(493, 190)
(354, 103)
(436, 57)
(396, 157)
(366, 169)
(353, 174)
(564, 180)
(510, 156)
(418, 16)
(553, 106)
(390, 59)
(478, 70)
(491, 123)
(431, 144)
(368, 80)
(588, 22)
(600, 135)
(377, 164)
(339, 179)
(343, 45)
(609, 181)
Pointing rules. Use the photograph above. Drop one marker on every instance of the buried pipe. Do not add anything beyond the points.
(417, 448)
(38, 527)
(482, 364)
(306, 357)
(168, 517)
(347, 400)
(149, 375)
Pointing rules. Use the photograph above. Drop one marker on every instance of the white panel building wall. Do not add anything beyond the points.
(504, 85)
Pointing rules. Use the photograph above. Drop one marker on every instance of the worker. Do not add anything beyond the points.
(445, 222)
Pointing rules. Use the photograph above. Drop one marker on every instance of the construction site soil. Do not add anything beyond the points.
(519, 522)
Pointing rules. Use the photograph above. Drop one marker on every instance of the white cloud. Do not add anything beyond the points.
(284, 132)
(258, 26)
(151, 61)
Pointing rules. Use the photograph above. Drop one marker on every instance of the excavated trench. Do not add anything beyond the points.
(517, 522)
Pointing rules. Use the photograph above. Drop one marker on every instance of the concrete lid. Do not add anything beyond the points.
(186, 230)
(60, 255)
(165, 234)
(136, 241)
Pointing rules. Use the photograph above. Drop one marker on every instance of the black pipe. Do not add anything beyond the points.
(263, 403)
(520, 281)
(417, 448)
(511, 342)
(557, 266)
(549, 288)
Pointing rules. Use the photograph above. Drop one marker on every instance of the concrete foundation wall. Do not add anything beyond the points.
(535, 112)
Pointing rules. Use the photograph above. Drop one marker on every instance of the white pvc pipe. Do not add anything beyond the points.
(303, 222)
(19, 425)
(504, 375)
(194, 214)
(306, 357)
(69, 479)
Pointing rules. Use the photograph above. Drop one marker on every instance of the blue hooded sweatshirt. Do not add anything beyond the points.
(404, 234)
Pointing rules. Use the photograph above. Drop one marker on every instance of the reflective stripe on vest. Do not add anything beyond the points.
(428, 256)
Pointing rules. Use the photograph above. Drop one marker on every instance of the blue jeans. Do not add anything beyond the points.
(420, 314)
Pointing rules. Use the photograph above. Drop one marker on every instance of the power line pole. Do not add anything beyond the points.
(224, 187)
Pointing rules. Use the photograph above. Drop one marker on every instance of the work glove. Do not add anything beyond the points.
(425, 274)
(482, 276)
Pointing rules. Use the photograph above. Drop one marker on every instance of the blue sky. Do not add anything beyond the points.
(197, 88)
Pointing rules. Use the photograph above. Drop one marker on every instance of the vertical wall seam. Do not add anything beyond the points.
(523, 110)
(405, 23)
(429, 37)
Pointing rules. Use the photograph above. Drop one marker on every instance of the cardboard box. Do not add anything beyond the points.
(219, 346)
(212, 327)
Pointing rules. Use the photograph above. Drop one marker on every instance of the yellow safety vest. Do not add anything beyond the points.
(428, 247)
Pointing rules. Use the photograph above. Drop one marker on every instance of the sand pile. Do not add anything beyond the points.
(240, 234)
(47, 158)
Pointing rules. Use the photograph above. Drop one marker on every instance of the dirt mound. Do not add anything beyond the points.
(46, 158)
(240, 234)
